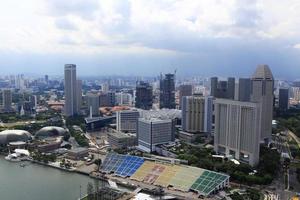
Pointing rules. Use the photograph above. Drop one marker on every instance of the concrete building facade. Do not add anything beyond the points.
(167, 92)
(184, 90)
(237, 130)
(127, 120)
(262, 87)
(93, 103)
(143, 96)
(244, 89)
(7, 100)
(222, 89)
(197, 114)
(152, 132)
(70, 90)
(283, 99)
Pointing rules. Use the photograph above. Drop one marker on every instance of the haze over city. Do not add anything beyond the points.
(149, 100)
(109, 37)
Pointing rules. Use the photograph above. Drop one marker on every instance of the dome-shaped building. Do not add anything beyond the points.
(8, 136)
(51, 131)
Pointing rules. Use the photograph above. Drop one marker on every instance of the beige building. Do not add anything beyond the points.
(197, 114)
(262, 87)
(237, 130)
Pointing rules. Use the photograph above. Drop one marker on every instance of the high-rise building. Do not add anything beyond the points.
(262, 87)
(105, 87)
(295, 92)
(93, 103)
(127, 120)
(244, 89)
(222, 89)
(143, 96)
(70, 90)
(79, 94)
(152, 132)
(33, 99)
(184, 90)
(123, 99)
(230, 88)
(237, 130)
(46, 79)
(197, 114)
(214, 86)
(167, 92)
(7, 99)
(283, 99)
(107, 99)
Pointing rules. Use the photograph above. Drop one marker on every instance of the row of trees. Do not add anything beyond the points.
(45, 158)
(79, 136)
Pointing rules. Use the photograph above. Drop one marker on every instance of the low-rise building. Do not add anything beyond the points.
(152, 132)
(78, 153)
(119, 140)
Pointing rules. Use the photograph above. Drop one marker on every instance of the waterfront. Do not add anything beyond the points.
(36, 182)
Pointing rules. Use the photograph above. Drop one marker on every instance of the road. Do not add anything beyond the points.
(294, 137)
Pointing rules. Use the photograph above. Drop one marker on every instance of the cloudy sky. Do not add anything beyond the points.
(145, 37)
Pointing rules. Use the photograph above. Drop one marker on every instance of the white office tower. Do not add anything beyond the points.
(105, 87)
(262, 87)
(20, 82)
(237, 130)
(70, 90)
(7, 100)
(197, 114)
(93, 103)
(123, 99)
(152, 132)
(79, 94)
(127, 120)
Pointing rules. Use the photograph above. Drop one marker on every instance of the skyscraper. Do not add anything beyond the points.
(237, 130)
(143, 96)
(184, 90)
(230, 88)
(214, 86)
(244, 89)
(167, 92)
(70, 90)
(7, 100)
(93, 103)
(283, 99)
(197, 114)
(79, 94)
(222, 89)
(262, 87)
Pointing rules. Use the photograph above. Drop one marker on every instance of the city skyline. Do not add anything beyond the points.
(110, 37)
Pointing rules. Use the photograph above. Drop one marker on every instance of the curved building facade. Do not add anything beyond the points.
(51, 131)
(8, 136)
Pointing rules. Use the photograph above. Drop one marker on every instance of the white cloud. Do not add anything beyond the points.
(171, 25)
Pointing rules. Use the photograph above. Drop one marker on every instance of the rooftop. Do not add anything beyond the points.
(263, 72)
